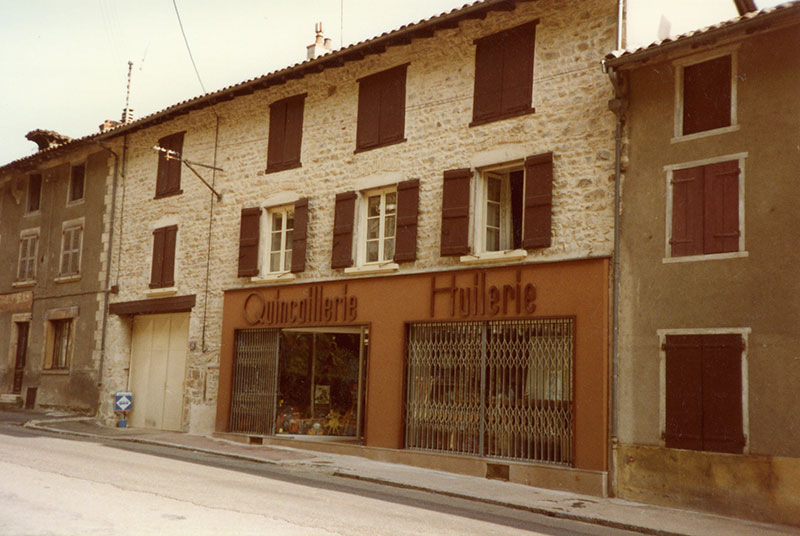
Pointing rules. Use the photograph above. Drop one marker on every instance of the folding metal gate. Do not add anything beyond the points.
(255, 372)
(497, 389)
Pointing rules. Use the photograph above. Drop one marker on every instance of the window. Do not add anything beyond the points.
(76, 182)
(168, 180)
(705, 95)
(34, 193)
(504, 74)
(381, 109)
(380, 224)
(283, 241)
(705, 209)
(28, 249)
(502, 193)
(280, 227)
(285, 133)
(163, 269)
(703, 398)
(72, 236)
(60, 343)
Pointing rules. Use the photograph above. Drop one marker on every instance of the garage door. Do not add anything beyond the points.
(158, 362)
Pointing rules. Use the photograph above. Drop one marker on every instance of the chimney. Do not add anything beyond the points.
(745, 6)
(320, 46)
(108, 124)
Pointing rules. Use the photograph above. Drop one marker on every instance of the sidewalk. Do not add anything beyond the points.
(615, 513)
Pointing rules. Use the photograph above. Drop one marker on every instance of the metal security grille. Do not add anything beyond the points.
(497, 389)
(254, 381)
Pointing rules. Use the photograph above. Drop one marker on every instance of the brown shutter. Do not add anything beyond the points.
(538, 201)
(455, 212)
(369, 110)
(517, 80)
(168, 270)
(721, 222)
(707, 95)
(342, 254)
(249, 234)
(393, 104)
(294, 130)
(684, 404)
(277, 134)
(722, 393)
(687, 212)
(299, 235)
(158, 258)
(407, 211)
(488, 102)
(168, 178)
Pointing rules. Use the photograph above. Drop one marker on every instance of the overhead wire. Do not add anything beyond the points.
(188, 48)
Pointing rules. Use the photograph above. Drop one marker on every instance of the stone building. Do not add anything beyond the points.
(708, 334)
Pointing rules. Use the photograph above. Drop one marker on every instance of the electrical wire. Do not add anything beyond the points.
(188, 49)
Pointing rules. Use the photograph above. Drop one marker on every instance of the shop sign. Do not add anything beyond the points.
(314, 307)
(482, 298)
(17, 301)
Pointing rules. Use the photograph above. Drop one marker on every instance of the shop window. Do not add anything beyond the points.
(76, 183)
(285, 133)
(28, 251)
(504, 74)
(282, 242)
(34, 198)
(381, 108)
(59, 344)
(168, 179)
(162, 272)
(71, 242)
(704, 209)
(706, 95)
(703, 399)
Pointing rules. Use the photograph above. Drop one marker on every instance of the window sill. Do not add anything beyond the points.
(22, 284)
(67, 278)
(282, 167)
(500, 117)
(495, 256)
(168, 194)
(378, 268)
(276, 277)
(384, 144)
(76, 202)
(161, 292)
(709, 257)
(705, 134)
(56, 372)
(32, 213)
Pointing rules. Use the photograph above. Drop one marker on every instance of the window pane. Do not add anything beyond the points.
(373, 228)
(388, 249)
(391, 202)
(493, 214)
(276, 242)
(277, 222)
(287, 260)
(275, 262)
(374, 206)
(492, 239)
(372, 251)
(289, 222)
(494, 188)
(388, 227)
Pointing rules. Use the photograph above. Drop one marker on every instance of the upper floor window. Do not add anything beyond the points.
(76, 183)
(705, 96)
(504, 74)
(71, 241)
(162, 273)
(168, 180)
(28, 251)
(34, 199)
(279, 233)
(280, 227)
(285, 133)
(381, 108)
(380, 217)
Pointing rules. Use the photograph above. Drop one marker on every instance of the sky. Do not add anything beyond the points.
(64, 64)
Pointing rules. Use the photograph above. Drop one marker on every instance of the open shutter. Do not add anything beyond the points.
(721, 200)
(158, 258)
(407, 211)
(517, 81)
(488, 100)
(538, 201)
(722, 393)
(455, 212)
(684, 404)
(369, 111)
(249, 232)
(687, 212)
(342, 254)
(299, 235)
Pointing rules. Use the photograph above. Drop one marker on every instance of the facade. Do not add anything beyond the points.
(708, 337)
(52, 292)
(402, 245)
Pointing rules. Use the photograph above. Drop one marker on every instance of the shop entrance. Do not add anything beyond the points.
(306, 382)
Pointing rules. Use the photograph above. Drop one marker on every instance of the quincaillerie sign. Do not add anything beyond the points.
(314, 307)
(481, 297)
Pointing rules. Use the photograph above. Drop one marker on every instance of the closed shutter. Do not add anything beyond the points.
(721, 223)
(538, 201)
(168, 180)
(294, 130)
(488, 102)
(393, 105)
(707, 95)
(517, 80)
(407, 212)
(722, 393)
(369, 112)
(684, 403)
(455, 212)
(168, 269)
(299, 235)
(249, 233)
(277, 134)
(342, 253)
(687, 212)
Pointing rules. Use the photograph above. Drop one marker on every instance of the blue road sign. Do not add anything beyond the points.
(123, 401)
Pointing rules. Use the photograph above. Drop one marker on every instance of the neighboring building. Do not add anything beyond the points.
(52, 230)
(412, 249)
(708, 332)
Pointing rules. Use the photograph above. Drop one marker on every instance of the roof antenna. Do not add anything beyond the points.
(127, 112)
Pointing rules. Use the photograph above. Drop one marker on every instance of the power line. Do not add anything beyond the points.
(174, 3)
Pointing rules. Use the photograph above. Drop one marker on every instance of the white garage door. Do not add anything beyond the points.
(158, 362)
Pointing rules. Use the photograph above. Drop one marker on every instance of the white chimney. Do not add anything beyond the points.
(320, 46)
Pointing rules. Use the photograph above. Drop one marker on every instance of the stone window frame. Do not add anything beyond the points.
(24, 235)
(62, 316)
(71, 225)
(71, 184)
(28, 197)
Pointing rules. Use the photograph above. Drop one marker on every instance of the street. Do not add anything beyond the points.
(62, 485)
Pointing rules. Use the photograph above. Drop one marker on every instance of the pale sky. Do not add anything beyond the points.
(63, 64)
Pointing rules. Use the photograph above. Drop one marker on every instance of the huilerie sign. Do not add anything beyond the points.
(481, 296)
(316, 306)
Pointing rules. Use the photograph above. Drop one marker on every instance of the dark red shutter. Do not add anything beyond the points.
(168, 269)
(168, 179)
(538, 201)
(518, 47)
(277, 134)
(407, 211)
(455, 212)
(488, 102)
(299, 235)
(684, 404)
(342, 254)
(249, 234)
(721, 222)
(393, 105)
(369, 112)
(687, 212)
(707, 95)
(722, 393)
(294, 130)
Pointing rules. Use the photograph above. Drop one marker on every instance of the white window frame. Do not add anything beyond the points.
(69, 185)
(678, 66)
(30, 260)
(669, 171)
(71, 226)
(361, 266)
(662, 376)
(285, 211)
